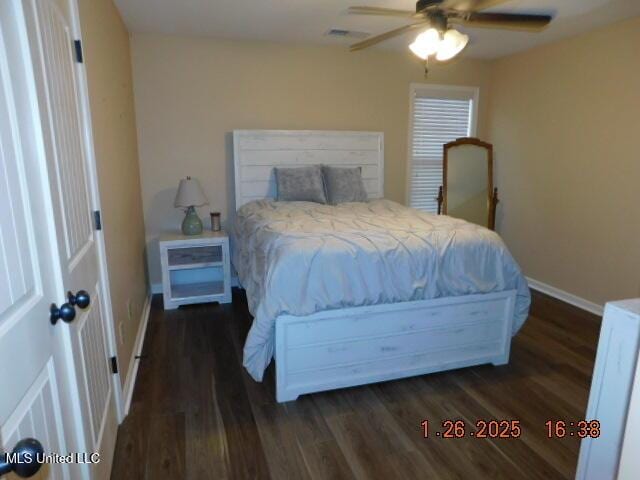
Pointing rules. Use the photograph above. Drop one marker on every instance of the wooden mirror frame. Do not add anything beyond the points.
(492, 193)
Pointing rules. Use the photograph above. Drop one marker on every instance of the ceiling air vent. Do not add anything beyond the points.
(337, 32)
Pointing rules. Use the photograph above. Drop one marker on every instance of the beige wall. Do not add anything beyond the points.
(192, 92)
(108, 60)
(563, 119)
(565, 123)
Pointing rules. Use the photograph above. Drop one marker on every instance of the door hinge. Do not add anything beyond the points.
(114, 365)
(97, 220)
(78, 47)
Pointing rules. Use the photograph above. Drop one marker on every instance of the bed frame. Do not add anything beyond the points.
(359, 345)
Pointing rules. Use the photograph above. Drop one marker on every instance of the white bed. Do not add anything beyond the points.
(342, 347)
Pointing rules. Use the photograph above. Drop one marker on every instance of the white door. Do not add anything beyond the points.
(63, 235)
(31, 357)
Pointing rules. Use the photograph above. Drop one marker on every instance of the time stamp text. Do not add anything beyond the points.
(496, 429)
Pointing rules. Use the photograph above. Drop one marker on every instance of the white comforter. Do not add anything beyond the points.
(300, 258)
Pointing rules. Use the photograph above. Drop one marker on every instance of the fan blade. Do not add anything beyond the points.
(381, 11)
(380, 38)
(515, 21)
(470, 5)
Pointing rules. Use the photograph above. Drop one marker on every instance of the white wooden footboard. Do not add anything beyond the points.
(354, 346)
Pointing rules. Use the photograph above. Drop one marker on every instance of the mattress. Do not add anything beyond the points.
(300, 258)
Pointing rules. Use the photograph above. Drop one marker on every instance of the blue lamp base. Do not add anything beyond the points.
(191, 225)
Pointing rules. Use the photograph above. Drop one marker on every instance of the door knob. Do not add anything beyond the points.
(24, 460)
(81, 298)
(66, 313)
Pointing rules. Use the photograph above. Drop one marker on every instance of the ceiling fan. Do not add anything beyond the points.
(440, 40)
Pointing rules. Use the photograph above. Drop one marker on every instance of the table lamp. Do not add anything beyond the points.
(189, 196)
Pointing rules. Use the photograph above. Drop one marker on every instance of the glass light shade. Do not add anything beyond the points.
(426, 43)
(452, 43)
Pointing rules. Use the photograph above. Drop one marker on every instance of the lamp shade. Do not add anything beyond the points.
(452, 43)
(444, 46)
(426, 43)
(190, 194)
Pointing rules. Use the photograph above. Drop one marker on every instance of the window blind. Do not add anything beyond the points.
(436, 120)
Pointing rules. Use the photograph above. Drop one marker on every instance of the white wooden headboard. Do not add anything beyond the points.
(256, 152)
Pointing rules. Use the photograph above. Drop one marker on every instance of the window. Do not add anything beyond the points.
(439, 114)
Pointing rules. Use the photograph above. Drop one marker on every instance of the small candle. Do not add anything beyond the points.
(215, 221)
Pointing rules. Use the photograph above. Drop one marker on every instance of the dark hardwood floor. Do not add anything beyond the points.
(196, 414)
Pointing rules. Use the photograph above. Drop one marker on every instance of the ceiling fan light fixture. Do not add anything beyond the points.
(453, 42)
(426, 43)
(443, 46)
(434, 15)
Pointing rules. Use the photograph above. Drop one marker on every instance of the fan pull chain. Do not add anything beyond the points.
(426, 67)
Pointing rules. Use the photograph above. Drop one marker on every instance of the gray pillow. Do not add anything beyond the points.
(344, 184)
(303, 184)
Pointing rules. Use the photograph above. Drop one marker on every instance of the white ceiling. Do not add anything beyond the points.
(306, 21)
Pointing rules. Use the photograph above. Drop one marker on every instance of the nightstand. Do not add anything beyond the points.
(195, 269)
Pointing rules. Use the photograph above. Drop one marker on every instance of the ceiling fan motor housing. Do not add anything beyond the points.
(437, 20)
(422, 4)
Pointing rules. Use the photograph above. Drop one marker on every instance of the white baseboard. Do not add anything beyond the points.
(566, 297)
(132, 373)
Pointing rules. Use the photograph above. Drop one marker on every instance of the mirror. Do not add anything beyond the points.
(467, 189)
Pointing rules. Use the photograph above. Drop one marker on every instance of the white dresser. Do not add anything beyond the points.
(612, 387)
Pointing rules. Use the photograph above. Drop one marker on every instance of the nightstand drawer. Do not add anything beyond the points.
(178, 257)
